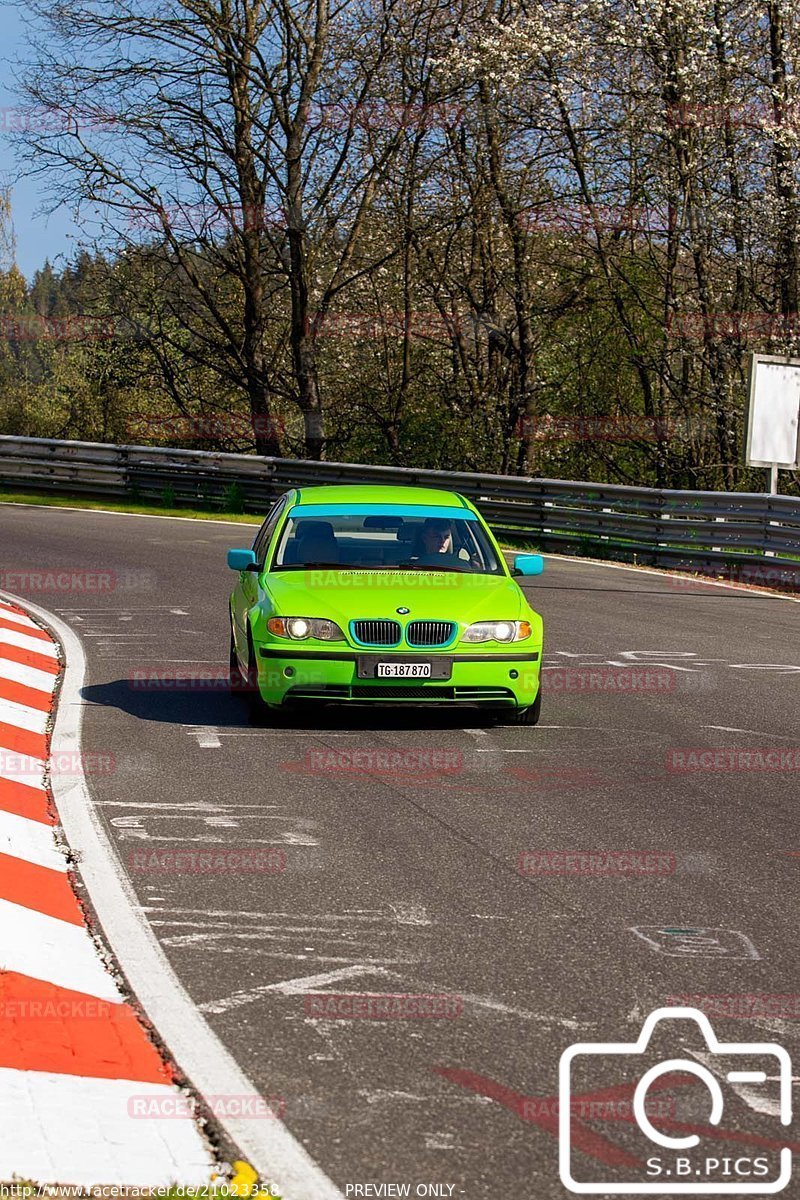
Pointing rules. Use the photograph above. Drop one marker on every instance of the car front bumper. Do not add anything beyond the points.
(495, 679)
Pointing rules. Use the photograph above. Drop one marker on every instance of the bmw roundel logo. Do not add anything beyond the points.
(403, 611)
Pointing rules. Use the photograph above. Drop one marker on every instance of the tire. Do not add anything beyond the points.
(236, 680)
(260, 713)
(530, 715)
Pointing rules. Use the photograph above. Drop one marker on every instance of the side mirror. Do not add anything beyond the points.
(241, 560)
(528, 564)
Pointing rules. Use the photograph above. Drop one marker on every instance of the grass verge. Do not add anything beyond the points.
(57, 500)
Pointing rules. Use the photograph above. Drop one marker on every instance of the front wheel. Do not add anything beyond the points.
(236, 680)
(531, 714)
(260, 712)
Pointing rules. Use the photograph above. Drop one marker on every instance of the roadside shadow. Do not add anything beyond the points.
(173, 702)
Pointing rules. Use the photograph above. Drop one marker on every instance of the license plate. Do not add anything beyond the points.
(403, 670)
(404, 666)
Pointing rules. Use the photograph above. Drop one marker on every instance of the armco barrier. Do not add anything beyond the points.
(753, 537)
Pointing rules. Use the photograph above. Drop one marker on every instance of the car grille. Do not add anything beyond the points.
(377, 633)
(429, 633)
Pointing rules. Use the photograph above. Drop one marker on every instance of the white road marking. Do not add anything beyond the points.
(378, 1095)
(31, 840)
(756, 732)
(189, 806)
(312, 983)
(207, 737)
(290, 987)
(441, 1141)
(267, 1145)
(124, 637)
(510, 1010)
(58, 952)
(410, 914)
(68, 1128)
(697, 942)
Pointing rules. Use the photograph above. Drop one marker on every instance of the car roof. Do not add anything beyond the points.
(380, 494)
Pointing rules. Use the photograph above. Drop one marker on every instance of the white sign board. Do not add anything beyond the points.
(773, 438)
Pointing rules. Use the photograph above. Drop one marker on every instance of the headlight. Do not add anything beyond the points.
(497, 631)
(300, 628)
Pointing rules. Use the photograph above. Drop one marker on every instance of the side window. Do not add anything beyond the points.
(261, 544)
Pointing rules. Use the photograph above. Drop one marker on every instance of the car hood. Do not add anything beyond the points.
(343, 596)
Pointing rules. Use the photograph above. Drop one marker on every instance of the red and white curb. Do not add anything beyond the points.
(70, 1084)
(76, 1063)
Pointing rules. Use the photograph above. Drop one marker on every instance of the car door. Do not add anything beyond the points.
(246, 592)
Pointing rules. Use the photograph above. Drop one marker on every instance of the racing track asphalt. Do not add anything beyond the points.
(413, 884)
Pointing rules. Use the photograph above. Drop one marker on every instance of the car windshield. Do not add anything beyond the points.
(375, 542)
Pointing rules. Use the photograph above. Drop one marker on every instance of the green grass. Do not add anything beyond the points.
(54, 499)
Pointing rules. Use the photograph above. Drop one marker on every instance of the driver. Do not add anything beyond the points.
(437, 537)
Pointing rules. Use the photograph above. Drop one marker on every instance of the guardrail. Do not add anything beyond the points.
(753, 537)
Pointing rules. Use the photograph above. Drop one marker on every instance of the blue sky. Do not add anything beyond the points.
(38, 237)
